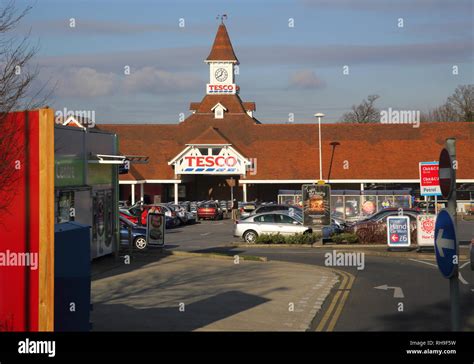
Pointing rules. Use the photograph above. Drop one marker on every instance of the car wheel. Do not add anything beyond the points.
(140, 243)
(250, 236)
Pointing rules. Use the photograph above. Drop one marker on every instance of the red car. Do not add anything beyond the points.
(131, 214)
(127, 215)
(373, 229)
(209, 210)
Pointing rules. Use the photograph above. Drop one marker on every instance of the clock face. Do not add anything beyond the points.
(221, 74)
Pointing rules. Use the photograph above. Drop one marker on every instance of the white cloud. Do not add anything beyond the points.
(86, 82)
(153, 81)
(306, 79)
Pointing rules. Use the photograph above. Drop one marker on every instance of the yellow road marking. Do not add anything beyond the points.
(343, 292)
(338, 311)
(328, 312)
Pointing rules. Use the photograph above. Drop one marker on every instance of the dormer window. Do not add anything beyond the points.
(219, 111)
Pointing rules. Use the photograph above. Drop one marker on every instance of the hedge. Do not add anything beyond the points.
(288, 239)
(345, 238)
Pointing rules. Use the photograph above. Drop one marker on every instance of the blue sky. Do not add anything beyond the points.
(284, 70)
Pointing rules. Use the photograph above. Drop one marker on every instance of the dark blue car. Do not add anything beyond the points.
(337, 226)
(138, 234)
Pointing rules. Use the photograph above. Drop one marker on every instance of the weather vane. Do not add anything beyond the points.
(222, 17)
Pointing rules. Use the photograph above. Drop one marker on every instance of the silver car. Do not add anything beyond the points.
(275, 222)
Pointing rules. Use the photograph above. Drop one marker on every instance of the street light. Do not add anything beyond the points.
(319, 116)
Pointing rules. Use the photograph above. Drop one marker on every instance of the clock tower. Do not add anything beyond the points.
(221, 63)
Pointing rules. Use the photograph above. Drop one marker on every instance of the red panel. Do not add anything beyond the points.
(19, 284)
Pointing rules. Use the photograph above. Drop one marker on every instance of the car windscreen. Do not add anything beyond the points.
(207, 206)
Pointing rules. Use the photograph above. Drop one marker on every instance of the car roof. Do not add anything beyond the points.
(280, 212)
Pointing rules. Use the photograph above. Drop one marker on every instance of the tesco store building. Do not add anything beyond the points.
(222, 143)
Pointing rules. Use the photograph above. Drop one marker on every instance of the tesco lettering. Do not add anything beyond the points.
(211, 161)
(229, 88)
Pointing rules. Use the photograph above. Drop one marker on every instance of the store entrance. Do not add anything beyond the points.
(211, 187)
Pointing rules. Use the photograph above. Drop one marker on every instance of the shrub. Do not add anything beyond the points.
(345, 238)
(288, 239)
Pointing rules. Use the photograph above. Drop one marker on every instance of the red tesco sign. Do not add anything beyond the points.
(211, 161)
(228, 88)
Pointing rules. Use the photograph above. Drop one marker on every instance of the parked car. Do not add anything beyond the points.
(422, 206)
(127, 215)
(209, 210)
(171, 221)
(123, 204)
(224, 205)
(275, 222)
(373, 229)
(138, 234)
(246, 208)
(337, 226)
(180, 213)
(274, 207)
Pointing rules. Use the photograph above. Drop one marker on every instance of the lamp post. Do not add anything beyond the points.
(319, 116)
(334, 145)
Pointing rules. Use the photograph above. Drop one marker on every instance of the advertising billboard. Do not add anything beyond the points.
(155, 232)
(429, 179)
(398, 231)
(316, 205)
(425, 229)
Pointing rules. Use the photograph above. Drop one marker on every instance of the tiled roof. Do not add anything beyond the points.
(210, 136)
(232, 103)
(249, 106)
(222, 48)
(290, 151)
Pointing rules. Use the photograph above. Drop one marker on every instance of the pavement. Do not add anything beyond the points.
(395, 291)
(192, 293)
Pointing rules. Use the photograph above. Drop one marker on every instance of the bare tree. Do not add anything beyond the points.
(16, 93)
(462, 101)
(365, 112)
(458, 107)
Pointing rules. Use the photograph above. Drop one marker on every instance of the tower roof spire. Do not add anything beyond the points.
(222, 48)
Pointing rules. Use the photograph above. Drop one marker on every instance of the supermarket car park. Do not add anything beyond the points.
(221, 152)
(220, 180)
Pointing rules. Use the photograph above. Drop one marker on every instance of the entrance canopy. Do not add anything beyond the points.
(221, 159)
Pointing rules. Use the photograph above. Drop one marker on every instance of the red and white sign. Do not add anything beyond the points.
(429, 179)
(425, 230)
(221, 89)
(210, 161)
(204, 160)
(446, 174)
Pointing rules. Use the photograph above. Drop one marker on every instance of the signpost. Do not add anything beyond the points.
(316, 205)
(429, 182)
(398, 232)
(446, 174)
(429, 179)
(446, 243)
